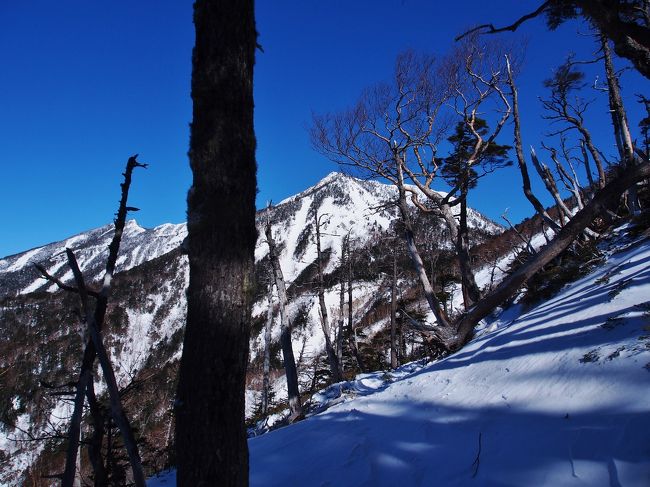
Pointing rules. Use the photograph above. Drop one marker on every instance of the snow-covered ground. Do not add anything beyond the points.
(558, 394)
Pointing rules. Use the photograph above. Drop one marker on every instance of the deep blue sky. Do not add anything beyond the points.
(86, 84)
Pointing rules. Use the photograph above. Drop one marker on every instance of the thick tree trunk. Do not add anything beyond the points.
(329, 349)
(288, 359)
(211, 444)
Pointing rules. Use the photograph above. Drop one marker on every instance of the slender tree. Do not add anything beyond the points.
(93, 317)
(266, 380)
(332, 359)
(291, 372)
(211, 446)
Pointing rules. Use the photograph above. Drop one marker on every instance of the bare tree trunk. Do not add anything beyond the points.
(459, 235)
(94, 321)
(354, 345)
(471, 292)
(570, 180)
(549, 181)
(211, 443)
(619, 121)
(74, 429)
(266, 383)
(521, 160)
(97, 438)
(393, 315)
(329, 349)
(594, 154)
(339, 333)
(288, 359)
(416, 259)
(117, 411)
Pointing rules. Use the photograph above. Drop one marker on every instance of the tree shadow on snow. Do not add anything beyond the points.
(428, 444)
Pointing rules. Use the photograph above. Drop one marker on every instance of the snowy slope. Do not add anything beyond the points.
(39, 331)
(139, 245)
(558, 394)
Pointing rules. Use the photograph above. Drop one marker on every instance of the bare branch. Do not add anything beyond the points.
(490, 29)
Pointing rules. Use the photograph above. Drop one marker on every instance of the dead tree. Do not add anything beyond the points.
(211, 444)
(564, 212)
(521, 160)
(320, 284)
(288, 359)
(93, 318)
(568, 174)
(549, 181)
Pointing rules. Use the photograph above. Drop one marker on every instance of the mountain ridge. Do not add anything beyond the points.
(40, 336)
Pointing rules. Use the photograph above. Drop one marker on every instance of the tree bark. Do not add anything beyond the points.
(619, 121)
(549, 181)
(288, 359)
(266, 383)
(393, 316)
(416, 259)
(352, 329)
(211, 443)
(97, 438)
(341, 323)
(329, 349)
(471, 292)
(521, 160)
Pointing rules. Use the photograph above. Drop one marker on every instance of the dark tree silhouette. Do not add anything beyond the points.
(211, 444)
(625, 22)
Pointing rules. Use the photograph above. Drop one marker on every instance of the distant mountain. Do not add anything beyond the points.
(40, 332)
